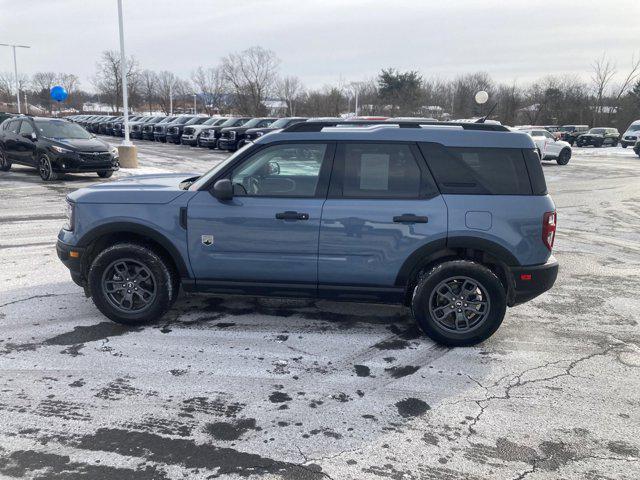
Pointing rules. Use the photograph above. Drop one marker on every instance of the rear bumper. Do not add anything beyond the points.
(74, 264)
(531, 281)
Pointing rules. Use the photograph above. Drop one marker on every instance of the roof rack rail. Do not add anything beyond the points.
(312, 126)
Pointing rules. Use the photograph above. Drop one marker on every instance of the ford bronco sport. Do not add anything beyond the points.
(452, 220)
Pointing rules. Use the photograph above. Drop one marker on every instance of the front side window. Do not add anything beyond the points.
(26, 128)
(13, 126)
(288, 170)
(380, 170)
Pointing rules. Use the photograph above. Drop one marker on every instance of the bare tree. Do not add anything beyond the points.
(167, 82)
(108, 79)
(42, 83)
(210, 82)
(603, 71)
(628, 81)
(149, 88)
(251, 74)
(290, 90)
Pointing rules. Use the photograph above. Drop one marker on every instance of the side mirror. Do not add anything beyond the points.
(31, 136)
(223, 190)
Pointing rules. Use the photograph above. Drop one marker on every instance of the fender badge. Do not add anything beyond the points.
(207, 240)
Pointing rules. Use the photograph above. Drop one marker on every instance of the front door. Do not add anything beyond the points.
(266, 237)
(383, 206)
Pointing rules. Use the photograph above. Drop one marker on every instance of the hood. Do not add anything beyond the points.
(592, 135)
(139, 189)
(88, 145)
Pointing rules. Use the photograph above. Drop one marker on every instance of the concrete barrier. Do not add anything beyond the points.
(128, 156)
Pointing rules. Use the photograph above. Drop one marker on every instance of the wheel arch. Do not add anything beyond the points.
(490, 254)
(96, 239)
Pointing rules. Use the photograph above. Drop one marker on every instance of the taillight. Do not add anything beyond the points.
(549, 229)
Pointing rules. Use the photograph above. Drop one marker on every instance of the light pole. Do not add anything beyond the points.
(195, 111)
(171, 99)
(126, 151)
(15, 69)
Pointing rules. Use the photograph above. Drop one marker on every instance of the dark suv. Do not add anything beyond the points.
(232, 138)
(209, 137)
(569, 133)
(174, 131)
(160, 130)
(147, 128)
(599, 137)
(55, 147)
(453, 220)
(254, 133)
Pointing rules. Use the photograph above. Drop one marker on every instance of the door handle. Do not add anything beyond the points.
(291, 215)
(410, 218)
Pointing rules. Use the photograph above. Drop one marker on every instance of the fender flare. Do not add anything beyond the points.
(129, 227)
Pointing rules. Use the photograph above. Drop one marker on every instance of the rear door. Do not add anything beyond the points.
(382, 207)
(25, 144)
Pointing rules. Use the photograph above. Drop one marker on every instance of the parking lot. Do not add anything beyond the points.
(247, 387)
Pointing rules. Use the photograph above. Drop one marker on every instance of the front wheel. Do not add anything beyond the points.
(459, 303)
(45, 169)
(105, 173)
(5, 164)
(624, 145)
(564, 157)
(131, 284)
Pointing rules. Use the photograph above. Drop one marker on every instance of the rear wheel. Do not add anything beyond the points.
(45, 169)
(459, 303)
(564, 157)
(105, 173)
(624, 145)
(5, 164)
(131, 284)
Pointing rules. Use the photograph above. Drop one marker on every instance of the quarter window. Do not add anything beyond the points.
(285, 170)
(483, 171)
(380, 170)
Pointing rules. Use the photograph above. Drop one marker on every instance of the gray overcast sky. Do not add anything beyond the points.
(322, 41)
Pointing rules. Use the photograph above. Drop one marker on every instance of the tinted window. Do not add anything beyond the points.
(484, 171)
(380, 170)
(61, 129)
(13, 126)
(26, 128)
(291, 170)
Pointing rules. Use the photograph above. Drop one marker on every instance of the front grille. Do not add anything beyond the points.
(205, 134)
(157, 129)
(147, 128)
(189, 131)
(95, 157)
(118, 126)
(173, 130)
(224, 135)
(135, 128)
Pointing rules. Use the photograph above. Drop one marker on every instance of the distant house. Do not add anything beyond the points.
(275, 107)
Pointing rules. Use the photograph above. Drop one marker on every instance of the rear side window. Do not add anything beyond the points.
(380, 170)
(483, 171)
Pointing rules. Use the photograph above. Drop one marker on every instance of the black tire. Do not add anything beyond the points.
(5, 163)
(539, 154)
(105, 173)
(564, 157)
(488, 284)
(160, 273)
(624, 145)
(598, 144)
(45, 169)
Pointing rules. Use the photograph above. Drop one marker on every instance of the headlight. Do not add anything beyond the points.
(232, 135)
(71, 216)
(58, 149)
(113, 151)
(259, 134)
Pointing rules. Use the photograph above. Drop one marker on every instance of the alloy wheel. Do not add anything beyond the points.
(129, 285)
(459, 304)
(44, 167)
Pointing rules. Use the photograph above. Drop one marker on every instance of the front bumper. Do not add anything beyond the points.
(160, 137)
(173, 137)
(227, 144)
(73, 263)
(189, 140)
(72, 163)
(208, 142)
(531, 281)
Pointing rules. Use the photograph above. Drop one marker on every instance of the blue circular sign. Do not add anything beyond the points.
(58, 93)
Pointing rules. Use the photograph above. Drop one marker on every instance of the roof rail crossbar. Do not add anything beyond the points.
(312, 126)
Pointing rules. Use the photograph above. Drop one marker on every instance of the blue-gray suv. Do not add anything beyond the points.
(453, 220)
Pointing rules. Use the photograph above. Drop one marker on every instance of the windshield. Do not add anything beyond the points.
(597, 131)
(61, 129)
(234, 122)
(196, 121)
(209, 174)
(167, 120)
(280, 123)
(182, 120)
(633, 128)
(252, 123)
(211, 121)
